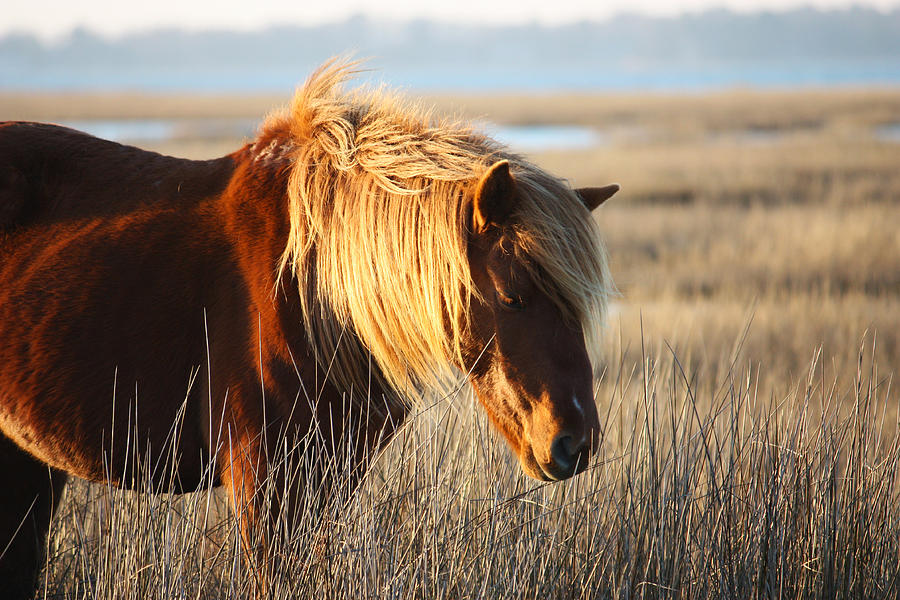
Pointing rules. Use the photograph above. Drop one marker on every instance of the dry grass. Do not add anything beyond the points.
(821, 169)
(687, 114)
(755, 233)
(780, 336)
(702, 488)
(716, 251)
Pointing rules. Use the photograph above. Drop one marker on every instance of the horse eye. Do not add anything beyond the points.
(511, 301)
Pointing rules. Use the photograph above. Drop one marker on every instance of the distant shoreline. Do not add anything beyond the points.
(710, 50)
(704, 77)
(594, 108)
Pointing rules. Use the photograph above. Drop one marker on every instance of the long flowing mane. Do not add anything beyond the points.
(380, 198)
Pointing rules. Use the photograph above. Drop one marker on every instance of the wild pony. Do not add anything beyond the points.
(358, 249)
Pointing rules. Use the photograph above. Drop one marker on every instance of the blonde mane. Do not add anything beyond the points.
(380, 194)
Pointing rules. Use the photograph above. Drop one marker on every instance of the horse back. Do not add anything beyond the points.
(50, 173)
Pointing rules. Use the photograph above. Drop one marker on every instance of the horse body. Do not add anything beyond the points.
(88, 338)
(93, 374)
(143, 310)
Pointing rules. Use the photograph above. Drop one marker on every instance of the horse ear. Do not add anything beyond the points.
(595, 196)
(495, 197)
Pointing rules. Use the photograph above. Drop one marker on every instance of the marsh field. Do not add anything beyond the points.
(752, 434)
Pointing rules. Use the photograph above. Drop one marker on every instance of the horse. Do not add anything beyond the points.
(358, 252)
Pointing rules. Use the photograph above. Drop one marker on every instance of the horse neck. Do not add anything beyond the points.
(255, 206)
(255, 209)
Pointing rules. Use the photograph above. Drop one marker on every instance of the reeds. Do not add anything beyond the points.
(702, 488)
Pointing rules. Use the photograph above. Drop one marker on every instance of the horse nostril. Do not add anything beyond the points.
(565, 450)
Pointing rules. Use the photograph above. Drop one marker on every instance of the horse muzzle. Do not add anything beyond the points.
(556, 452)
(566, 458)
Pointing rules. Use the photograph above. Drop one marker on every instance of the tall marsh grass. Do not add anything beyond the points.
(764, 468)
(702, 488)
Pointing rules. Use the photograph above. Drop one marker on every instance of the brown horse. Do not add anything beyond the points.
(357, 253)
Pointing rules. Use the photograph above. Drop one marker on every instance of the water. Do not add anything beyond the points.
(532, 138)
(522, 138)
(161, 130)
(888, 133)
(143, 130)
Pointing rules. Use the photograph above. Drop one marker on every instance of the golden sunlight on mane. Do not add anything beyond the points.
(379, 198)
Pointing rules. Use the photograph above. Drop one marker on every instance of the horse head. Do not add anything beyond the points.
(436, 247)
(526, 358)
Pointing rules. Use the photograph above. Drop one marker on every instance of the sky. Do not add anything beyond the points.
(51, 19)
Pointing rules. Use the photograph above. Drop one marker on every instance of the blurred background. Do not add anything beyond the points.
(757, 143)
